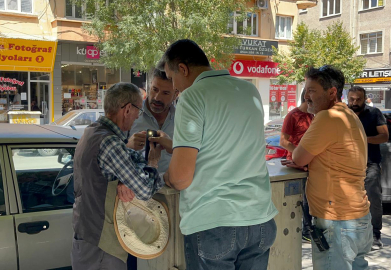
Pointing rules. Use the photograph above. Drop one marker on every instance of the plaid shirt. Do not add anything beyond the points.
(128, 166)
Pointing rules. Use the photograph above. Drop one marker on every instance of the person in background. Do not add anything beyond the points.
(369, 102)
(218, 164)
(158, 114)
(296, 123)
(34, 106)
(335, 149)
(375, 126)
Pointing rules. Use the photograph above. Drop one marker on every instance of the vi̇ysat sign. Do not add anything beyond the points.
(256, 47)
(247, 68)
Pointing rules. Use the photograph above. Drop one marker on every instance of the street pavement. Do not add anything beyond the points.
(378, 260)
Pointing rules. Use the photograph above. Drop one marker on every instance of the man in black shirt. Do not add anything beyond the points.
(375, 126)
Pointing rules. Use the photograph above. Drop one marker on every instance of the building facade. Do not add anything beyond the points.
(272, 25)
(369, 24)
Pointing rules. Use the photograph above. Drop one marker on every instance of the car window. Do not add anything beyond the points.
(45, 182)
(2, 198)
(64, 119)
(86, 118)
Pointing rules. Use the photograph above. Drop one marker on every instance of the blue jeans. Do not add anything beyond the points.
(349, 241)
(229, 248)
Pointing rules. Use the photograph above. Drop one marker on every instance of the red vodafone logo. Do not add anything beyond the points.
(247, 68)
(238, 68)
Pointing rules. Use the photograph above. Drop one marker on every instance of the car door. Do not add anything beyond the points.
(44, 191)
(8, 253)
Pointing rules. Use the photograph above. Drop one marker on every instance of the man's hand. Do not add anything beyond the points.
(125, 194)
(163, 140)
(154, 154)
(137, 141)
(290, 163)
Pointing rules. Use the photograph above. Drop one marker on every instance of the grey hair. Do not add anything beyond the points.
(118, 95)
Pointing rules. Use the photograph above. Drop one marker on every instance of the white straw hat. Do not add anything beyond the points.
(142, 227)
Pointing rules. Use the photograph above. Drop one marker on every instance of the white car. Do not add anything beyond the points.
(36, 197)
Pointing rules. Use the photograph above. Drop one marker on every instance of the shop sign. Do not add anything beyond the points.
(249, 68)
(90, 52)
(375, 76)
(256, 47)
(27, 55)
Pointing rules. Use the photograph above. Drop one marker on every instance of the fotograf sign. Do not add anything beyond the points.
(256, 47)
(247, 68)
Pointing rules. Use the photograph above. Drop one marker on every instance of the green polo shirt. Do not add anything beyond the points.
(222, 116)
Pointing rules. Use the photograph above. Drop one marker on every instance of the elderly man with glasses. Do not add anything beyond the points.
(103, 168)
(335, 149)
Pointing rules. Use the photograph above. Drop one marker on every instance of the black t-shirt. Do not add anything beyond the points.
(371, 118)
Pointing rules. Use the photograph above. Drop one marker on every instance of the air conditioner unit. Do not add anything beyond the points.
(261, 4)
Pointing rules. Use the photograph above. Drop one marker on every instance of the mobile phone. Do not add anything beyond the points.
(150, 133)
(318, 238)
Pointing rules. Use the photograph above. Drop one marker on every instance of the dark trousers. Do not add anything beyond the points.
(230, 248)
(374, 190)
(306, 213)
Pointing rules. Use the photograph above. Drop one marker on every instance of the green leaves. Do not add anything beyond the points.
(333, 46)
(137, 33)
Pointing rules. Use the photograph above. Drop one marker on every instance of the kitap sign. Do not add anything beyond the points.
(91, 53)
(248, 68)
(27, 55)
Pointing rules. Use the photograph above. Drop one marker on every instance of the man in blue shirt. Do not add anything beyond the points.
(218, 164)
(375, 126)
(159, 113)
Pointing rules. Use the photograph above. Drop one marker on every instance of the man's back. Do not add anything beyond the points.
(222, 117)
(335, 189)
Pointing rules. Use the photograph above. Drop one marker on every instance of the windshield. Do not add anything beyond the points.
(64, 119)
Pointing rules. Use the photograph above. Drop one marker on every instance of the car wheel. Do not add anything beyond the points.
(47, 152)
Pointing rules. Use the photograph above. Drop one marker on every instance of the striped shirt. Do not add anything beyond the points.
(117, 162)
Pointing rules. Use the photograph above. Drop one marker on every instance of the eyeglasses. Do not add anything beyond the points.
(140, 111)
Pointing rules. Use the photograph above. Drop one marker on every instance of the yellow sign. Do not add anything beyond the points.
(372, 80)
(27, 55)
(24, 117)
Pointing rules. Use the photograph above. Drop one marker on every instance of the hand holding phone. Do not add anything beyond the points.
(150, 133)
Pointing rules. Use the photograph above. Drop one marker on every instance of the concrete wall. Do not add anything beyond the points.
(21, 25)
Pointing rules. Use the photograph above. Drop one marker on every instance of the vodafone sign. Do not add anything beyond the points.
(247, 68)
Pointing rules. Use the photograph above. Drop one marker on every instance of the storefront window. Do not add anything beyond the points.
(82, 85)
(13, 92)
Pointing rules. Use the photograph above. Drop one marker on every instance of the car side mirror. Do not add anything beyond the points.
(63, 158)
(72, 123)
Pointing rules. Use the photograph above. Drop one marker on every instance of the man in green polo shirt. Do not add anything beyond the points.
(218, 163)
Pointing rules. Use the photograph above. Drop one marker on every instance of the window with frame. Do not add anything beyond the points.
(247, 26)
(371, 43)
(283, 27)
(45, 178)
(331, 7)
(74, 11)
(368, 4)
(22, 6)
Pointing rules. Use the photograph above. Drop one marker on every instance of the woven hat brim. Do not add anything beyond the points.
(132, 252)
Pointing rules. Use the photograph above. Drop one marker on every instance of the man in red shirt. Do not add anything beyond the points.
(296, 123)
